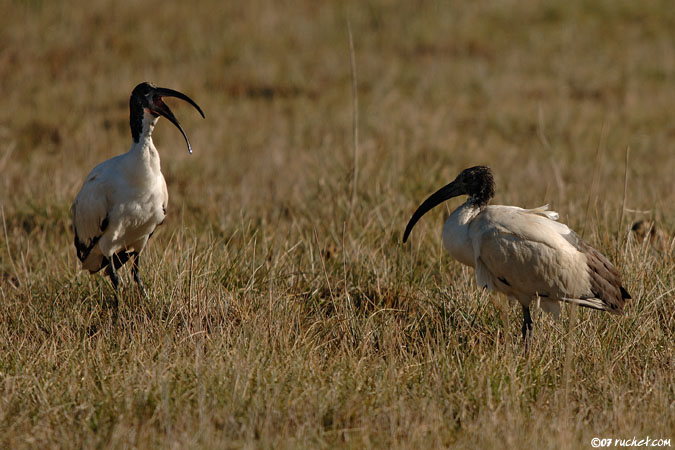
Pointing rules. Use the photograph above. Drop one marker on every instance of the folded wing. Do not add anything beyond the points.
(90, 220)
(527, 254)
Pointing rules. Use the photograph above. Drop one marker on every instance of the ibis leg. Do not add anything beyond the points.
(527, 323)
(115, 280)
(136, 273)
(112, 274)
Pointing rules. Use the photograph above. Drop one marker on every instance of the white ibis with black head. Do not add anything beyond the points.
(124, 199)
(523, 253)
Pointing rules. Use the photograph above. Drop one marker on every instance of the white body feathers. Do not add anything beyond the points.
(121, 203)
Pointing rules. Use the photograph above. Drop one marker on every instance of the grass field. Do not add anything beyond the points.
(282, 314)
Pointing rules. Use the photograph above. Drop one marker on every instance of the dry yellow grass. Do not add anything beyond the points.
(270, 322)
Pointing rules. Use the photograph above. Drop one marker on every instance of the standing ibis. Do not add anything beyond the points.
(124, 199)
(523, 253)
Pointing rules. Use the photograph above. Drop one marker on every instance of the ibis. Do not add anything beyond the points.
(523, 253)
(124, 199)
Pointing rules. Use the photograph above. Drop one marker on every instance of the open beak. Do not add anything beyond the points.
(445, 193)
(162, 109)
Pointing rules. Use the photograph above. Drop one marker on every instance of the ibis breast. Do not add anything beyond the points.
(117, 208)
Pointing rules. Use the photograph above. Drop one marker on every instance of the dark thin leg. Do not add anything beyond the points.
(115, 280)
(136, 273)
(527, 323)
(120, 258)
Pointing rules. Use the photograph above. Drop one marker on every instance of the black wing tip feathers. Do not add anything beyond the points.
(104, 223)
(624, 293)
(83, 250)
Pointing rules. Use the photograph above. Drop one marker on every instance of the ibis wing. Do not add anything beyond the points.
(525, 254)
(90, 219)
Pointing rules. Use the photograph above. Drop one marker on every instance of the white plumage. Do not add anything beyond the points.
(523, 253)
(124, 199)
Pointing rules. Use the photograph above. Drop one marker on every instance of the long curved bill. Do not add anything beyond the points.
(162, 109)
(447, 192)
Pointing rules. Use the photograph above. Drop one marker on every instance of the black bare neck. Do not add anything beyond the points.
(135, 118)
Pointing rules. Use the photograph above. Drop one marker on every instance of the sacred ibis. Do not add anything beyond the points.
(124, 199)
(523, 253)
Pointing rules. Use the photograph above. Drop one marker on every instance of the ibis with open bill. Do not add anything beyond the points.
(124, 199)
